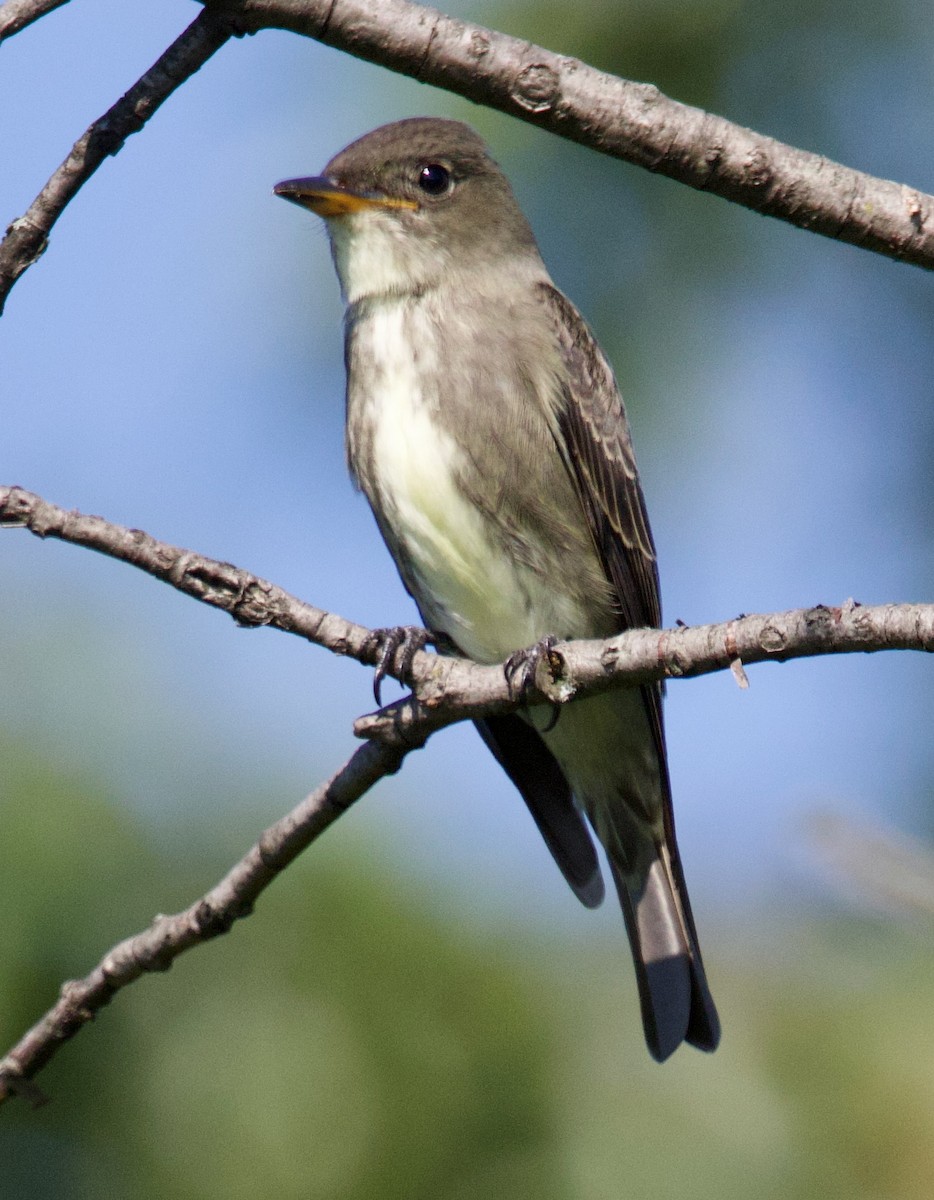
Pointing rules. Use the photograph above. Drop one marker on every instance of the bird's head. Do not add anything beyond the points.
(413, 204)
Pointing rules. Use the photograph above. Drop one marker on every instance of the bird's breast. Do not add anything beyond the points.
(476, 574)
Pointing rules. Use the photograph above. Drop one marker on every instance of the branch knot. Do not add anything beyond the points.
(536, 87)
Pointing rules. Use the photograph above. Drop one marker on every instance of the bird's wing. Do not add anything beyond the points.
(599, 452)
(595, 443)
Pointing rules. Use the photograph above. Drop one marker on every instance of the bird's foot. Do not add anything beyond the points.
(520, 669)
(386, 644)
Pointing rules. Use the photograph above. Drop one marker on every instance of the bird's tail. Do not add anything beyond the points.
(611, 750)
(676, 1002)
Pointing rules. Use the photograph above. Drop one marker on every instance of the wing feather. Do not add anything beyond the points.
(595, 443)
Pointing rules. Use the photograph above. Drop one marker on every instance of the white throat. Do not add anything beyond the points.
(374, 256)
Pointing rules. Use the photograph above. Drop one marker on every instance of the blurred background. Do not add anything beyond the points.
(420, 1008)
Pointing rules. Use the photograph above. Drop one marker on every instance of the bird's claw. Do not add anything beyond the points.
(386, 644)
(520, 669)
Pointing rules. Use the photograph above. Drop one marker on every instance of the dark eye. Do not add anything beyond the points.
(434, 179)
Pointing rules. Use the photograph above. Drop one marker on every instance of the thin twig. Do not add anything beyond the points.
(632, 121)
(251, 601)
(17, 14)
(27, 237)
(156, 948)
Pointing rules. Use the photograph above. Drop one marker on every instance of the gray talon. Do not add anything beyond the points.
(386, 643)
(520, 669)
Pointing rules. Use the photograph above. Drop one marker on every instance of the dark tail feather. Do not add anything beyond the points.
(676, 1002)
(534, 770)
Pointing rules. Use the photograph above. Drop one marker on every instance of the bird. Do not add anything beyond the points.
(485, 427)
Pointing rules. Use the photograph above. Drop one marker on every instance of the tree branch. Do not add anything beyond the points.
(251, 601)
(459, 690)
(27, 237)
(447, 689)
(627, 120)
(156, 948)
(17, 14)
(631, 121)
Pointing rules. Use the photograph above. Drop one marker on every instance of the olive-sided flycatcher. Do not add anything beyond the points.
(486, 429)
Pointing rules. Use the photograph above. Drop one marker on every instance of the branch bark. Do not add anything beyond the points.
(15, 15)
(459, 690)
(446, 689)
(27, 237)
(251, 601)
(156, 948)
(631, 121)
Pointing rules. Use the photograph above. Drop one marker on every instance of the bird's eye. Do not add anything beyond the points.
(434, 179)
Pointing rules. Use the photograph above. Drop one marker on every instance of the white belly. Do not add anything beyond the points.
(466, 580)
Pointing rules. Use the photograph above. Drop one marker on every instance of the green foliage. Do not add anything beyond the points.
(343, 1042)
(349, 1040)
(683, 48)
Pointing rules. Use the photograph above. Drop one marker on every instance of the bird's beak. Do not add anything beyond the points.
(328, 199)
